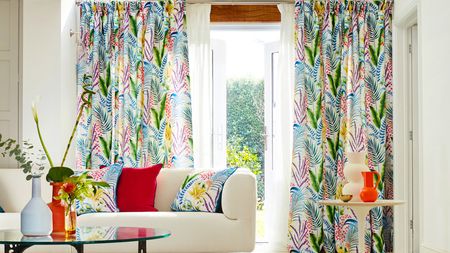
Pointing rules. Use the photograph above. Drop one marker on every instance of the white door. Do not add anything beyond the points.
(9, 73)
(413, 142)
(219, 101)
(270, 81)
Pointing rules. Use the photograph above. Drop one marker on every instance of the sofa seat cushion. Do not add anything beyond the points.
(190, 231)
(165, 220)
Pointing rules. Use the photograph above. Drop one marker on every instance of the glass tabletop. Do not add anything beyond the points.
(87, 235)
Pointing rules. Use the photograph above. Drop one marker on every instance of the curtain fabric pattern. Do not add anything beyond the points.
(343, 103)
(135, 54)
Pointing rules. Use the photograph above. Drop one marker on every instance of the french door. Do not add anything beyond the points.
(242, 99)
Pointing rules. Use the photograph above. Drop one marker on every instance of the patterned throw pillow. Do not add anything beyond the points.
(202, 191)
(105, 199)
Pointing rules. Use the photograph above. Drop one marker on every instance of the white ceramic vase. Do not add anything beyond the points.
(36, 217)
(352, 172)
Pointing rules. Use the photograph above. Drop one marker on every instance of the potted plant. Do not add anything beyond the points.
(76, 188)
(58, 173)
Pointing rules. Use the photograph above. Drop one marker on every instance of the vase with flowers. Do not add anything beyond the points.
(58, 173)
(76, 188)
(31, 161)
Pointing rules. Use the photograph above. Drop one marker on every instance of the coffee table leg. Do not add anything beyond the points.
(142, 246)
(79, 248)
(15, 248)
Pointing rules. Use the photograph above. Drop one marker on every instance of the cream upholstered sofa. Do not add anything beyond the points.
(230, 231)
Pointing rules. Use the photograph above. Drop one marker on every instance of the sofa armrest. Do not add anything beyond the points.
(239, 196)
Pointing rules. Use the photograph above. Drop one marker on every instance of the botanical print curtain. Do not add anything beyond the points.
(135, 55)
(343, 103)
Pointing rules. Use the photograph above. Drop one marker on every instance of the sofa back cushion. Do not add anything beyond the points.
(168, 183)
(105, 199)
(201, 191)
(136, 190)
(15, 191)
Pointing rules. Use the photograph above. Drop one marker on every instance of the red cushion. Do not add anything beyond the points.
(137, 188)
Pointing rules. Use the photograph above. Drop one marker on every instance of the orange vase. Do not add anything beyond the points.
(369, 192)
(57, 210)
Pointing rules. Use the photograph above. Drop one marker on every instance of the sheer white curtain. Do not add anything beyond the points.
(198, 31)
(283, 118)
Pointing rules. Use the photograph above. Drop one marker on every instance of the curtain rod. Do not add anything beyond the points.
(78, 2)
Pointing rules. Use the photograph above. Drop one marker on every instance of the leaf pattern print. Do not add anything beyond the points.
(136, 53)
(202, 191)
(343, 103)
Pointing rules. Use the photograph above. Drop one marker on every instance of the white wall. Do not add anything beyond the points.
(48, 70)
(434, 89)
(68, 73)
(434, 40)
(48, 60)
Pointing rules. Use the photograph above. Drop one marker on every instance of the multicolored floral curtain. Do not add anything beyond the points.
(343, 103)
(135, 54)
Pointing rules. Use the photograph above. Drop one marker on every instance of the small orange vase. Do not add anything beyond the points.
(57, 210)
(369, 192)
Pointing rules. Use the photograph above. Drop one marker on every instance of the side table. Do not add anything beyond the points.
(361, 210)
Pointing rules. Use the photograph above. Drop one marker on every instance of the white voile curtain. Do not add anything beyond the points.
(198, 31)
(283, 133)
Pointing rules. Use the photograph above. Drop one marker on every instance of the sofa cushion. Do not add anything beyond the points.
(169, 181)
(202, 191)
(137, 188)
(1, 210)
(9, 221)
(105, 198)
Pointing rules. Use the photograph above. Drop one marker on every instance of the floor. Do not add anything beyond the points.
(263, 248)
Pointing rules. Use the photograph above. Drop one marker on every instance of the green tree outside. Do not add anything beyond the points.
(245, 128)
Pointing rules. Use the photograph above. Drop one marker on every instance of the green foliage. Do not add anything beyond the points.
(245, 113)
(78, 188)
(242, 157)
(31, 161)
(58, 174)
(245, 128)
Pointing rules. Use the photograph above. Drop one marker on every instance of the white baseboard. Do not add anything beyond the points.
(426, 249)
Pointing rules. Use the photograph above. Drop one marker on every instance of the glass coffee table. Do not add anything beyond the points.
(15, 242)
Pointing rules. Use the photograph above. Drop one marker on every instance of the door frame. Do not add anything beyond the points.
(402, 22)
(413, 206)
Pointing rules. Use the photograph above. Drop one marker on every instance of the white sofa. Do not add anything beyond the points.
(230, 231)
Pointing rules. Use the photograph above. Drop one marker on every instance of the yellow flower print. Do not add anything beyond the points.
(169, 8)
(197, 191)
(341, 250)
(344, 128)
(168, 134)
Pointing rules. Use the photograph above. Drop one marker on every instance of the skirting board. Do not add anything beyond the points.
(426, 249)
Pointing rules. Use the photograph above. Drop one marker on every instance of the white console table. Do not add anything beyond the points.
(361, 210)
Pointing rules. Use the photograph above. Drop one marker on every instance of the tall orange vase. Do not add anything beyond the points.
(369, 192)
(57, 210)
